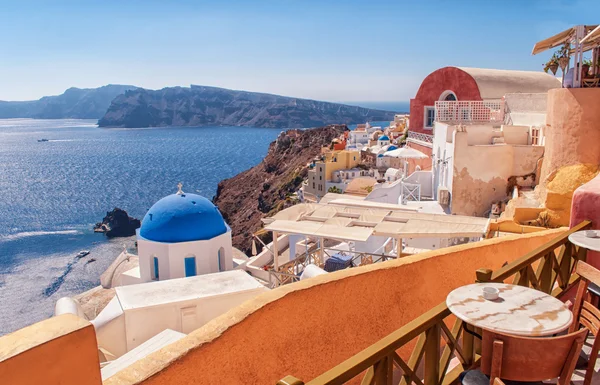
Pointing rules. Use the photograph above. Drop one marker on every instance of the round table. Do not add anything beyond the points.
(519, 310)
(579, 239)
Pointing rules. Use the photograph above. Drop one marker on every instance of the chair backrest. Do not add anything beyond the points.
(590, 83)
(530, 359)
(584, 313)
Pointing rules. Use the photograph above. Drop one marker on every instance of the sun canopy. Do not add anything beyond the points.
(558, 39)
(406, 152)
(554, 41)
(352, 223)
(591, 38)
(318, 229)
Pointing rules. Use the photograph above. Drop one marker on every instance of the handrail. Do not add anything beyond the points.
(382, 348)
(437, 343)
(523, 269)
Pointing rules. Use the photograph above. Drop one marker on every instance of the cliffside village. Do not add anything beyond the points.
(489, 166)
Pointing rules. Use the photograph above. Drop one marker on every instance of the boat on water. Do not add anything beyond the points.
(43, 140)
(82, 253)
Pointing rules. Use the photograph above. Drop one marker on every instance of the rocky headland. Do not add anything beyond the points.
(74, 103)
(117, 223)
(268, 187)
(212, 106)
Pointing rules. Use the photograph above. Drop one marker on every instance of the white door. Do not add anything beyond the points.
(189, 319)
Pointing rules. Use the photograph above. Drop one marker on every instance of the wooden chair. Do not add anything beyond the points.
(586, 314)
(590, 83)
(525, 359)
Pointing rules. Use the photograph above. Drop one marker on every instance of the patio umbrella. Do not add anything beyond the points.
(407, 153)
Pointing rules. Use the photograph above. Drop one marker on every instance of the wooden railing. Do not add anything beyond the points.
(549, 268)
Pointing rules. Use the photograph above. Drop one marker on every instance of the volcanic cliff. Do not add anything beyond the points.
(212, 106)
(267, 188)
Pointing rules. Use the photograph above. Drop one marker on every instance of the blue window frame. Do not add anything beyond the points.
(190, 266)
(156, 268)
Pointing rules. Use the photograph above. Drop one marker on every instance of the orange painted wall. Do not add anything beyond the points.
(308, 327)
(60, 350)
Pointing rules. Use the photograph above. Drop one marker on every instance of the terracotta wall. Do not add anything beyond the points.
(308, 327)
(60, 350)
(572, 148)
(573, 128)
(432, 87)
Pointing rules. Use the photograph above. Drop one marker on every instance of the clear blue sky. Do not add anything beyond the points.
(328, 50)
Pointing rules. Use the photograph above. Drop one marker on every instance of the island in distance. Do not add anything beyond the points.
(74, 103)
(212, 106)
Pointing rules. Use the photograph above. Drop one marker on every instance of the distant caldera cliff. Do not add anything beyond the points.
(211, 106)
(269, 187)
(74, 103)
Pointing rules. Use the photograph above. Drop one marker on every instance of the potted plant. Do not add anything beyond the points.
(563, 56)
(552, 64)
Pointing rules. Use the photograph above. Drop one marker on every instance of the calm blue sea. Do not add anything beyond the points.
(51, 194)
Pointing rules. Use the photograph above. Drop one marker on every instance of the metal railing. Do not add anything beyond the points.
(549, 268)
(469, 111)
(420, 136)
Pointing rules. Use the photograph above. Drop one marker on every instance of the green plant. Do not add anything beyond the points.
(553, 61)
(334, 189)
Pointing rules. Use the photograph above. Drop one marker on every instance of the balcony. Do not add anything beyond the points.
(434, 348)
(470, 111)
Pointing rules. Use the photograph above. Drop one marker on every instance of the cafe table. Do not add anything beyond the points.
(580, 239)
(519, 310)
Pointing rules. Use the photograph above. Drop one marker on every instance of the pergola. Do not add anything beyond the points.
(577, 38)
(348, 220)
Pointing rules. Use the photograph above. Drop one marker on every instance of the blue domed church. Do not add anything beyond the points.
(183, 235)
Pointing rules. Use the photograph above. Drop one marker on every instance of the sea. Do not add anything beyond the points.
(53, 192)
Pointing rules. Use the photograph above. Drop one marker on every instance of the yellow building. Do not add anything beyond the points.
(322, 172)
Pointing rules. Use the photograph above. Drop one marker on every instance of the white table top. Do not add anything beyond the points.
(519, 310)
(578, 238)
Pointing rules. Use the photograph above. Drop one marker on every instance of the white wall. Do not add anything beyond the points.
(144, 323)
(171, 256)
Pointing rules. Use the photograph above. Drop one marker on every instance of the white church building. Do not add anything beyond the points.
(183, 235)
(185, 278)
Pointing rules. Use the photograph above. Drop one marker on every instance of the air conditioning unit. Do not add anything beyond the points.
(443, 196)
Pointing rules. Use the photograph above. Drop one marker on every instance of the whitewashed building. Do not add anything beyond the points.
(182, 235)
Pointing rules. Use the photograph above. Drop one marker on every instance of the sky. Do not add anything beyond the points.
(375, 50)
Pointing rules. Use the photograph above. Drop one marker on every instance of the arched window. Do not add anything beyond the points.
(221, 255)
(448, 96)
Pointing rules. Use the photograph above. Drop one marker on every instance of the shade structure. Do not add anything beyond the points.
(553, 41)
(592, 39)
(318, 229)
(560, 38)
(353, 223)
(406, 153)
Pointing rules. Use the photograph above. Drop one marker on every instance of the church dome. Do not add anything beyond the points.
(182, 217)
(384, 137)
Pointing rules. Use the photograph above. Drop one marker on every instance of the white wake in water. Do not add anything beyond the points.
(26, 234)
